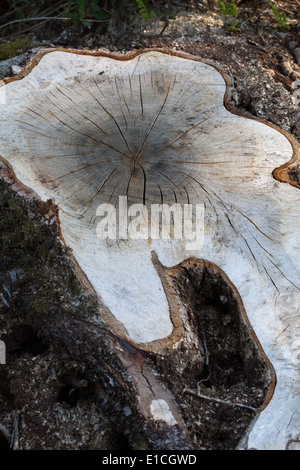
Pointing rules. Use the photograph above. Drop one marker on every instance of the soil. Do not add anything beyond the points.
(221, 395)
(42, 406)
(261, 58)
(46, 402)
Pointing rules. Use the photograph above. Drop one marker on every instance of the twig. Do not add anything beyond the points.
(55, 7)
(95, 21)
(205, 349)
(257, 46)
(5, 432)
(18, 33)
(164, 28)
(24, 20)
(217, 400)
(15, 434)
(48, 18)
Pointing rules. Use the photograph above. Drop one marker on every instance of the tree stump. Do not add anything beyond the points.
(201, 316)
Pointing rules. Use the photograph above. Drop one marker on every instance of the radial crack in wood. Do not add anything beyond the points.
(151, 128)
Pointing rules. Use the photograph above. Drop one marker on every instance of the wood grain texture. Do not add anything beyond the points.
(83, 129)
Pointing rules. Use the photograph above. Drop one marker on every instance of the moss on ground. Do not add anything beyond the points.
(11, 48)
(47, 281)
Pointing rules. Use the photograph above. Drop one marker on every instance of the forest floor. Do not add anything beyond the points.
(262, 58)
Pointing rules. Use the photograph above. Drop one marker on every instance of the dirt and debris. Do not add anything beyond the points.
(63, 385)
(262, 58)
(42, 391)
(220, 396)
(47, 398)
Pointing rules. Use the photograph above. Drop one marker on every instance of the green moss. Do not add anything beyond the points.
(48, 281)
(42, 302)
(73, 285)
(141, 445)
(9, 49)
(17, 230)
